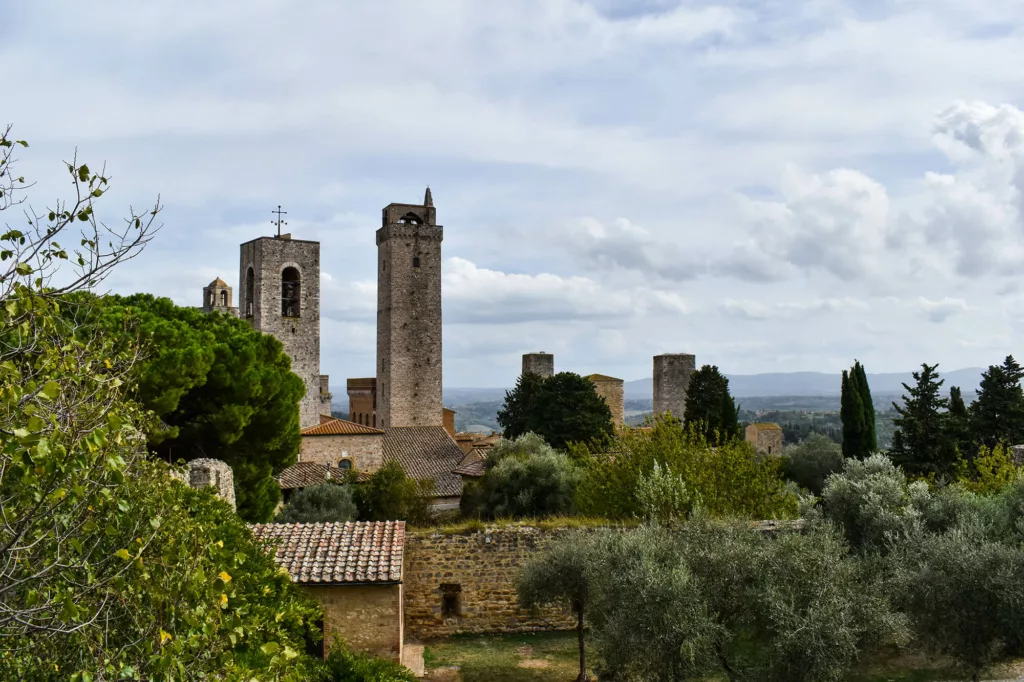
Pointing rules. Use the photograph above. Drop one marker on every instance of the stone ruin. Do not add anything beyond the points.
(200, 473)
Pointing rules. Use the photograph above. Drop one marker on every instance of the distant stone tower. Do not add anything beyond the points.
(613, 392)
(280, 282)
(542, 364)
(217, 296)
(671, 380)
(409, 316)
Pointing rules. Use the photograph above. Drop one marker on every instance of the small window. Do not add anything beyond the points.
(211, 299)
(249, 291)
(291, 293)
(451, 600)
(415, 261)
(345, 464)
(224, 298)
(384, 265)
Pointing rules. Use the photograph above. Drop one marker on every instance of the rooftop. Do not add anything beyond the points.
(425, 452)
(337, 553)
(339, 427)
(766, 426)
(601, 377)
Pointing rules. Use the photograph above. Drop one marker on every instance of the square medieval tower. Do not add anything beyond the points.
(280, 283)
(409, 316)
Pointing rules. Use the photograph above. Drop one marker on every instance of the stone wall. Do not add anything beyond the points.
(542, 364)
(465, 582)
(613, 392)
(409, 317)
(671, 380)
(766, 440)
(204, 472)
(366, 452)
(268, 257)
(367, 617)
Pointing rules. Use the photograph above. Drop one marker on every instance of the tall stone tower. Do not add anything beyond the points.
(409, 316)
(542, 364)
(280, 282)
(671, 380)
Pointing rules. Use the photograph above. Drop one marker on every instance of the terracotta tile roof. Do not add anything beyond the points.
(766, 426)
(425, 452)
(331, 553)
(304, 474)
(472, 464)
(601, 377)
(217, 283)
(339, 427)
(324, 418)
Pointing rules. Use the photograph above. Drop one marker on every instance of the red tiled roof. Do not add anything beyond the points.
(601, 377)
(425, 452)
(472, 464)
(305, 474)
(766, 426)
(339, 427)
(331, 553)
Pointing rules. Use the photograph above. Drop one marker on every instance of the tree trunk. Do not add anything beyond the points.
(583, 654)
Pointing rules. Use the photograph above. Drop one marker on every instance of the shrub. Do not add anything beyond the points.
(390, 495)
(812, 461)
(344, 665)
(662, 496)
(536, 485)
(327, 502)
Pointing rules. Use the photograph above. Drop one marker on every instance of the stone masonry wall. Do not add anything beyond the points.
(367, 617)
(478, 571)
(409, 323)
(205, 472)
(613, 391)
(366, 452)
(540, 363)
(671, 380)
(268, 257)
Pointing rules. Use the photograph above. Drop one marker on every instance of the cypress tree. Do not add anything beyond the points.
(870, 438)
(851, 412)
(959, 424)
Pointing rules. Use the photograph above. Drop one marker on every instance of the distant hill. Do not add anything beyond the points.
(815, 383)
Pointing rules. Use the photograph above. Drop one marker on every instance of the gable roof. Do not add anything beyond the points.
(425, 452)
(601, 377)
(305, 474)
(217, 283)
(333, 553)
(472, 464)
(766, 426)
(339, 427)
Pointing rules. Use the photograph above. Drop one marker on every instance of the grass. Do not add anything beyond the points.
(552, 657)
(552, 523)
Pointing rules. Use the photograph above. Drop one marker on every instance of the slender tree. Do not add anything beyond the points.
(959, 424)
(858, 414)
(920, 443)
(997, 416)
(710, 409)
(870, 437)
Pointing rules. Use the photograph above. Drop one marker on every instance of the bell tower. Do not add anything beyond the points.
(409, 316)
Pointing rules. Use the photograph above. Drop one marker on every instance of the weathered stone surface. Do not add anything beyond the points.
(365, 452)
(766, 437)
(265, 265)
(204, 472)
(367, 617)
(672, 374)
(484, 565)
(541, 364)
(409, 317)
(613, 392)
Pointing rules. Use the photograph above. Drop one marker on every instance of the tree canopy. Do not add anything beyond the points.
(563, 408)
(220, 389)
(997, 415)
(324, 503)
(858, 414)
(710, 409)
(921, 443)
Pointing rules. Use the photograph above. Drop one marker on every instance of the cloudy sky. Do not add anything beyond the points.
(774, 185)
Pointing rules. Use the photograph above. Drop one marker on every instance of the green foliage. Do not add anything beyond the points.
(524, 478)
(220, 388)
(858, 414)
(344, 665)
(990, 471)
(710, 409)
(390, 495)
(731, 479)
(327, 502)
(997, 415)
(958, 424)
(921, 442)
(811, 462)
(562, 409)
(662, 496)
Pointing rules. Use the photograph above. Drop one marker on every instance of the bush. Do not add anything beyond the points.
(327, 502)
(662, 496)
(537, 485)
(390, 495)
(731, 479)
(811, 462)
(343, 665)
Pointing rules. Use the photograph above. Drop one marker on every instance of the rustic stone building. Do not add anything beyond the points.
(280, 282)
(355, 571)
(613, 392)
(542, 364)
(766, 437)
(409, 316)
(362, 400)
(203, 472)
(672, 374)
(217, 297)
(342, 444)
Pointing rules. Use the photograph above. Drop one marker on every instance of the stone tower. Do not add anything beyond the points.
(671, 379)
(542, 364)
(217, 296)
(409, 316)
(280, 282)
(613, 392)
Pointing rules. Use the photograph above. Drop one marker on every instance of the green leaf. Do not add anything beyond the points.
(83, 172)
(23, 269)
(270, 648)
(50, 390)
(122, 554)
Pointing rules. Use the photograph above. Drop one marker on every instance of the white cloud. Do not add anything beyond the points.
(941, 310)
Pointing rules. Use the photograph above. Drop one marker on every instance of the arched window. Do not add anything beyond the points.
(224, 298)
(291, 298)
(210, 304)
(415, 261)
(345, 464)
(250, 286)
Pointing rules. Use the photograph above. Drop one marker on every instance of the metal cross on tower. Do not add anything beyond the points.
(279, 222)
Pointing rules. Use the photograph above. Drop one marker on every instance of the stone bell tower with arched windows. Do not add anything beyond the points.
(279, 278)
(409, 316)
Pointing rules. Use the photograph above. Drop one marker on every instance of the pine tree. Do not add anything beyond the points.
(959, 424)
(920, 443)
(710, 409)
(870, 437)
(997, 416)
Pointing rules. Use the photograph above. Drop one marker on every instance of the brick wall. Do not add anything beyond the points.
(365, 452)
(613, 392)
(367, 617)
(476, 573)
